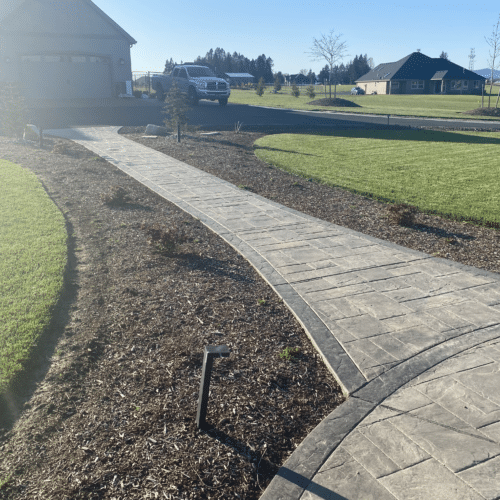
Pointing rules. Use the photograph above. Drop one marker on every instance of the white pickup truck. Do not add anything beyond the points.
(196, 82)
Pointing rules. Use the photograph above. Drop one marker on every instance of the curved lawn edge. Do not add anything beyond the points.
(445, 173)
(33, 250)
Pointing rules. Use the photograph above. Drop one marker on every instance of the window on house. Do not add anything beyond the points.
(395, 85)
(417, 84)
(465, 84)
(456, 84)
(476, 84)
(31, 58)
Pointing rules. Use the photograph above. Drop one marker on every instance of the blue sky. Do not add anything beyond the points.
(284, 30)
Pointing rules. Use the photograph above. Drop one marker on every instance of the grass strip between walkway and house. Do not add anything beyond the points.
(427, 105)
(453, 173)
(33, 257)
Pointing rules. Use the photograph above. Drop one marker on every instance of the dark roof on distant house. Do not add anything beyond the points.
(238, 75)
(418, 66)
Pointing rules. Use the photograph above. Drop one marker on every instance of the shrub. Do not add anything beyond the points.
(295, 90)
(166, 241)
(277, 84)
(402, 214)
(117, 197)
(310, 92)
(13, 110)
(261, 87)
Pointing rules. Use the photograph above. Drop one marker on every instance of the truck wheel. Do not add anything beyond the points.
(192, 97)
(223, 101)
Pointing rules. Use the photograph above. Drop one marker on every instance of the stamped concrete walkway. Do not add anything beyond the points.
(413, 340)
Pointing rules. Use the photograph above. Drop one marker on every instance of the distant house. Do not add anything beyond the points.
(420, 74)
(238, 78)
(299, 79)
(63, 49)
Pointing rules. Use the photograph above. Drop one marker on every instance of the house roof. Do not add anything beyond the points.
(239, 75)
(9, 7)
(418, 66)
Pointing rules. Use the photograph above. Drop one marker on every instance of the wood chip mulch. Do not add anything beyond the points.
(230, 156)
(111, 414)
(108, 408)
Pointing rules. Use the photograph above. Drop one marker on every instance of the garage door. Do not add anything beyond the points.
(61, 76)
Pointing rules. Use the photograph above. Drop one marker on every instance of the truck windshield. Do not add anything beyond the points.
(199, 71)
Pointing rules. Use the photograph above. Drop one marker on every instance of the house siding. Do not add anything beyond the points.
(405, 87)
(66, 29)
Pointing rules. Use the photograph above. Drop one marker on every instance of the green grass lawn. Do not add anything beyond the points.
(437, 106)
(32, 262)
(454, 173)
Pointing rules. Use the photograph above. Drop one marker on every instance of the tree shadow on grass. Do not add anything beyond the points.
(410, 135)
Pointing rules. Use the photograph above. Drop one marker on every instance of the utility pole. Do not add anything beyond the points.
(472, 56)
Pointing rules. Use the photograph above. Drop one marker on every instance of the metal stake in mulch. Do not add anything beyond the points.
(211, 352)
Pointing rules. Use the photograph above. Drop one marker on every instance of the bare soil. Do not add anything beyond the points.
(108, 408)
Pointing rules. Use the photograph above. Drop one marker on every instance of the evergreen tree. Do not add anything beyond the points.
(169, 66)
(277, 84)
(295, 90)
(176, 109)
(310, 92)
(324, 74)
(261, 86)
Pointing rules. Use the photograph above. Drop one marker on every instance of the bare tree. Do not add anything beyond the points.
(332, 50)
(494, 60)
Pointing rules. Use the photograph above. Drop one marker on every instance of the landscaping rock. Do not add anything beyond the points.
(156, 130)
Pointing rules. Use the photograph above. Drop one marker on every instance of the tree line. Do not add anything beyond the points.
(224, 62)
(221, 61)
(346, 74)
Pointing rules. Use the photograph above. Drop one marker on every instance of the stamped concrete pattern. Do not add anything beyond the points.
(413, 339)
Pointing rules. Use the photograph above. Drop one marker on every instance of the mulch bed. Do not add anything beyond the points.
(230, 156)
(484, 111)
(109, 407)
(113, 413)
(331, 101)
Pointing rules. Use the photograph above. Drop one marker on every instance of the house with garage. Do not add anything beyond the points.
(63, 49)
(420, 74)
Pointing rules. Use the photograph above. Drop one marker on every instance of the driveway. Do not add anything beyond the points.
(209, 115)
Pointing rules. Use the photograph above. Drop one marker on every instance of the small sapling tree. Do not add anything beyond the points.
(295, 90)
(176, 109)
(331, 49)
(277, 84)
(261, 87)
(494, 55)
(310, 92)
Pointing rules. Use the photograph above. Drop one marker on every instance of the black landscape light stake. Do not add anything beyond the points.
(211, 352)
